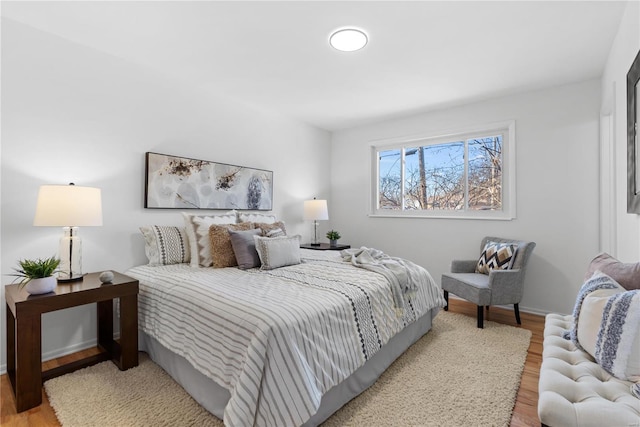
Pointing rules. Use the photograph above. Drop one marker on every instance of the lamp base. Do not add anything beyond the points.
(314, 244)
(73, 278)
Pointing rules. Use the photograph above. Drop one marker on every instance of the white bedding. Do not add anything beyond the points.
(279, 339)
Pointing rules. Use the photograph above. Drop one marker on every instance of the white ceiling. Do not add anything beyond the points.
(422, 55)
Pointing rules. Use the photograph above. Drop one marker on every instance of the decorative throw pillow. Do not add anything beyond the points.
(597, 282)
(256, 217)
(278, 251)
(244, 248)
(276, 229)
(618, 345)
(221, 250)
(590, 317)
(496, 256)
(197, 227)
(165, 245)
(627, 274)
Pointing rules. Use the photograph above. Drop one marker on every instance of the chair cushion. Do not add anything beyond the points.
(473, 287)
(496, 255)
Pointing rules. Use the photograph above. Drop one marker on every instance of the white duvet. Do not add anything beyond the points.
(279, 339)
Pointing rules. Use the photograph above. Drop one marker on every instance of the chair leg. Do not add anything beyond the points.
(446, 298)
(480, 317)
(517, 311)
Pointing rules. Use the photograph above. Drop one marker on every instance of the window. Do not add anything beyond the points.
(466, 174)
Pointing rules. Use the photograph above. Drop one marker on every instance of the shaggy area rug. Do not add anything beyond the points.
(456, 375)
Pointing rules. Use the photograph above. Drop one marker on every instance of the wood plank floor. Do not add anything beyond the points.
(525, 412)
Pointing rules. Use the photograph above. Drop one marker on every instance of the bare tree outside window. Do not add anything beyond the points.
(390, 185)
(485, 173)
(434, 176)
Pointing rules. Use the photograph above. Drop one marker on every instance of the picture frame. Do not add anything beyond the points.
(633, 139)
(173, 182)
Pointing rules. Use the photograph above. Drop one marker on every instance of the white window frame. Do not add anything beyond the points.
(508, 131)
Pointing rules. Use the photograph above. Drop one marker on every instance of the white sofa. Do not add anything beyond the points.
(574, 390)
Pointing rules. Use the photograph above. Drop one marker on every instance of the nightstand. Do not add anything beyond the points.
(324, 247)
(24, 331)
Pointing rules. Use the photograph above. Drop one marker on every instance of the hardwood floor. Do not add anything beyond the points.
(525, 412)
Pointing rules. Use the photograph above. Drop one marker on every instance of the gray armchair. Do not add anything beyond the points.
(499, 287)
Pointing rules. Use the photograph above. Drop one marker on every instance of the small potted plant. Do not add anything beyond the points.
(37, 275)
(333, 237)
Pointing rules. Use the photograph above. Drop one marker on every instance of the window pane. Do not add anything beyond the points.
(412, 182)
(441, 185)
(390, 194)
(485, 173)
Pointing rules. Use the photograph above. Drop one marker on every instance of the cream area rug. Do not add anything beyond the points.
(455, 375)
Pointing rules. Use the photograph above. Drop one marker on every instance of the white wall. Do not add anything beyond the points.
(557, 198)
(625, 227)
(72, 114)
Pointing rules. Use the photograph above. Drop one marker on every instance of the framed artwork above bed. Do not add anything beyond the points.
(173, 182)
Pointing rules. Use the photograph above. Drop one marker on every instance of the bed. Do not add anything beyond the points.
(281, 347)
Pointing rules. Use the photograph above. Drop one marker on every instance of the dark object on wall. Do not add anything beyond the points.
(181, 183)
(633, 139)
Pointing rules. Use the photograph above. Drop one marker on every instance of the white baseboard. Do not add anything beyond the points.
(510, 307)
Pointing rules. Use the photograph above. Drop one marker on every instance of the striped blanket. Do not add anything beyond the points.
(278, 340)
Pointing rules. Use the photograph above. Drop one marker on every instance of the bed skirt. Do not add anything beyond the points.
(214, 398)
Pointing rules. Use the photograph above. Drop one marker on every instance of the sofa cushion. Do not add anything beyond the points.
(627, 274)
(574, 390)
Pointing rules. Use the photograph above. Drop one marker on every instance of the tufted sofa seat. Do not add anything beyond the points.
(574, 390)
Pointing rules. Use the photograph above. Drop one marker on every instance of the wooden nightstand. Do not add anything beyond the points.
(324, 247)
(24, 329)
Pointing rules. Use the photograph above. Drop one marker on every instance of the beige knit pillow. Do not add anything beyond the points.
(275, 229)
(221, 249)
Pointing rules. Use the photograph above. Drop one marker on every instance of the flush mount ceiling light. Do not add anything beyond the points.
(348, 39)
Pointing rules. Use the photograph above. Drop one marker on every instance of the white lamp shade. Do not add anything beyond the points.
(316, 210)
(68, 206)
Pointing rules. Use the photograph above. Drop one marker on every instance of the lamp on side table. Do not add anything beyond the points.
(69, 206)
(315, 210)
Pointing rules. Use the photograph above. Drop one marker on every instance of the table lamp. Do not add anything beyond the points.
(315, 210)
(69, 206)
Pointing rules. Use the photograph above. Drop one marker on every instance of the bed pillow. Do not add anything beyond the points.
(256, 217)
(276, 229)
(197, 227)
(165, 245)
(275, 252)
(221, 250)
(244, 248)
(627, 274)
(496, 256)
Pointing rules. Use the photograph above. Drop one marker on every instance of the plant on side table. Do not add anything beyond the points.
(333, 237)
(37, 275)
